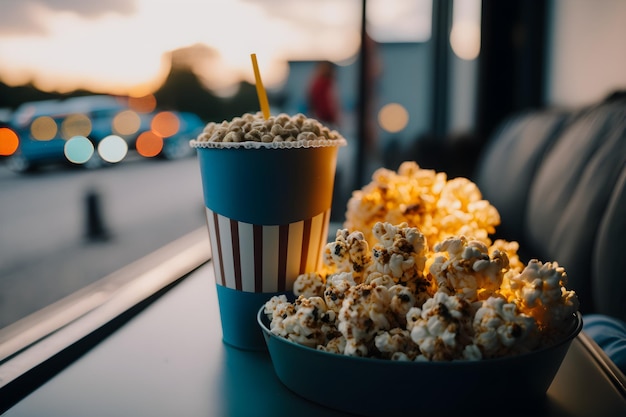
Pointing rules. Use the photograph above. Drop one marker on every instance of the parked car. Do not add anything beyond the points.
(102, 116)
(35, 151)
(177, 146)
(32, 153)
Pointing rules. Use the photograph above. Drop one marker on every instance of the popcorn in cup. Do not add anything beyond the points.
(268, 186)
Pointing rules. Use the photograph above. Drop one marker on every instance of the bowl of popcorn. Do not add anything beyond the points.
(416, 310)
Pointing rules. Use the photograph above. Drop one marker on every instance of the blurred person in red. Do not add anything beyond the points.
(323, 99)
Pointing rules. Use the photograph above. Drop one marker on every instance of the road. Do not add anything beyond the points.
(44, 252)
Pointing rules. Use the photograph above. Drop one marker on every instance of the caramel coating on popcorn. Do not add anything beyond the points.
(349, 252)
(277, 309)
(539, 290)
(466, 269)
(378, 278)
(458, 300)
(442, 327)
(307, 321)
(402, 300)
(510, 248)
(364, 312)
(400, 251)
(396, 344)
(335, 345)
(400, 254)
(309, 285)
(255, 128)
(424, 199)
(337, 286)
(500, 330)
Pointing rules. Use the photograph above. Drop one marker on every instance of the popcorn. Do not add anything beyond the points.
(539, 291)
(378, 278)
(510, 249)
(442, 327)
(349, 251)
(364, 312)
(305, 322)
(402, 300)
(467, 270)
(309, 285)
(335, 345)
(337, 286)
(462, 301)
(277, 309)
(424, 199)
(500, 330)
(400, 252)
(430, 286)
(255, 128)
(396, 344)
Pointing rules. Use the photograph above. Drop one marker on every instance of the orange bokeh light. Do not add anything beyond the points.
(393, 117)
(144, 104)
(149, 144)
(126, 122)
(44, 128)
(8, 141)
(75, 125)
(165, 124)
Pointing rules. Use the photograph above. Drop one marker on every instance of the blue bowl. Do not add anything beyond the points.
(378, 387)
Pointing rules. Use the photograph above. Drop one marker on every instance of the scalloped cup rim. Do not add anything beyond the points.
(320, 143)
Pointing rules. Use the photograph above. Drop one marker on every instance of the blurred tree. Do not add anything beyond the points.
(12, 97)
(182, 90)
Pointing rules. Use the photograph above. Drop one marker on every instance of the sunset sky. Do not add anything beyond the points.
(122, 46)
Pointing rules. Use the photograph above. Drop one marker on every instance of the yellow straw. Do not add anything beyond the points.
(260, 90)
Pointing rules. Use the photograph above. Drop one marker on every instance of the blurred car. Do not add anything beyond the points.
(32, 153)
(96, 118)
(177, 146)
(43, 135)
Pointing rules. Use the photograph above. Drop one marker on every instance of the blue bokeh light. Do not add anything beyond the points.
(78, 149)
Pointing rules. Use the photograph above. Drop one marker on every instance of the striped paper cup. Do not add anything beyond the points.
(268, 211)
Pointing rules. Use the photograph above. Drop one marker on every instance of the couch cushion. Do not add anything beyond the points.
(508, 164)
(609, 285)
(575, 184)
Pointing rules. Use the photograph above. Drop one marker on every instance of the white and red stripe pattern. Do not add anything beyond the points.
(261, 258)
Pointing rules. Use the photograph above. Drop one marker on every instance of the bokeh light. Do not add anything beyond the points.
(75, 125)
(126, 122)
(43, 128)
(393, 117)
(465, 40)
(149, 144)
(112, 148)
(8, 141)
(465, 32)
(78, 149)
(143, 104)
(165, 124)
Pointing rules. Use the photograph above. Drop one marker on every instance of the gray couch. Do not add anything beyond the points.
(558, 179)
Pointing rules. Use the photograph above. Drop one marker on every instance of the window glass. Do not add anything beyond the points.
(99, 100)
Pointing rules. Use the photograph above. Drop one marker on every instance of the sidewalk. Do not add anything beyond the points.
(30, 286)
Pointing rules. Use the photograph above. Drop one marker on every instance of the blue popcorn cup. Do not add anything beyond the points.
(268, 210)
